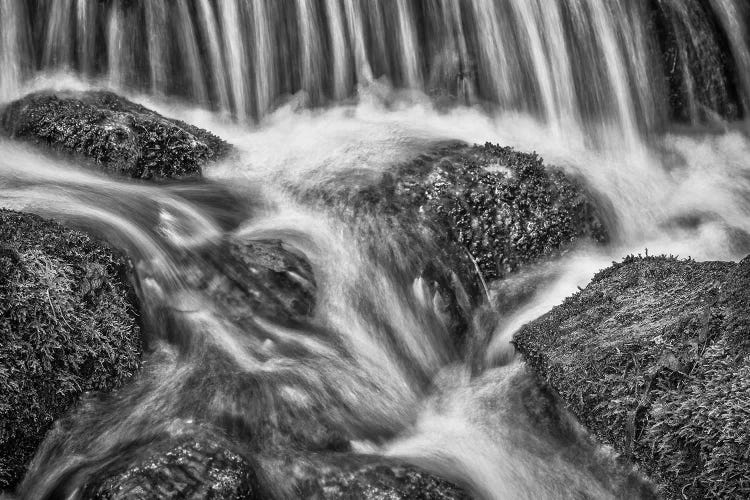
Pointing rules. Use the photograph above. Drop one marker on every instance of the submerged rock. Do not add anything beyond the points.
(368, 478)
(277, 281)
(117, 135)
(654, 357)
(197, 467)
(68, 324)
(251, 277)
(208, 468)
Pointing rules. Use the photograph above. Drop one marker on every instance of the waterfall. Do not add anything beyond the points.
(628, 64)
(12, 21)
(210, 30)
(314, 95)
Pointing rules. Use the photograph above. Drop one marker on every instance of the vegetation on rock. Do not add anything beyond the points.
(654, 357)
(67, 326)
(502, 207)
(207, 466)
(462, 216)
(120, 136)
(374, 481)
(201, 465)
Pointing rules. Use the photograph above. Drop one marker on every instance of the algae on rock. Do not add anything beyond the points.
(118, 135)
(68, 325)
(654, 357)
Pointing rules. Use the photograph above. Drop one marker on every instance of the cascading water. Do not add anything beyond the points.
(568, 62)
(317, 88)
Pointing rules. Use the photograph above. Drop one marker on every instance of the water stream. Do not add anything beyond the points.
(306, 90)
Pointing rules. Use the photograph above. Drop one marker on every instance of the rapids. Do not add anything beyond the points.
(373, 361)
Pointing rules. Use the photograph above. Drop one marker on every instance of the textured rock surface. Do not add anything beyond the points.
(462, 216)
(506, 208)
(654, 357)
(117, 135)
(265, 277)
(370, 479)
(208, 469)
(67, 325)
(196, 468)
(503, 207)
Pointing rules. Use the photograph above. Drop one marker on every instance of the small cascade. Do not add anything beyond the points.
(11, 48)
(298, 323)
(630, 66)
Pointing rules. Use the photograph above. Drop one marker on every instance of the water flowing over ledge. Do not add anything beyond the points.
(314, 93)
(632, 65)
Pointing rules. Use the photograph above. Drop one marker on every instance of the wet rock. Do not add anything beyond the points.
(501, 207)
(504, 207)
(371, 478)
(208, 468)
(67, 325)
(286, 276)
(195, 468)
(653, 356)
(117, 135)
(263, 277)
(469, 215)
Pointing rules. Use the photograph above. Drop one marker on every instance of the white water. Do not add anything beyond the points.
(570, 63)
(466, 429)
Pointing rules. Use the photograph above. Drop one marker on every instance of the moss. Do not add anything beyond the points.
(460, 216)
(505, 207)
(67, 326)
(117, 135)
(376, 481)
(201, 465)
(654, 357)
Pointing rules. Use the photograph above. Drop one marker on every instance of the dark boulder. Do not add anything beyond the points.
(461, 217)
(502, 207)
(369, 478)
(208, 468)
(68, 324)
(276, 281)
(195, 467)
(119, 136)
(653, 356)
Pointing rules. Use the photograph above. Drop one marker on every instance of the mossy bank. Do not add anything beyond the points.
(68, 325)
(653, 356)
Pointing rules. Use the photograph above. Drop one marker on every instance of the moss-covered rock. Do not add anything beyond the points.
(208, 467)
(197, 466)
(117, 135)
(67, 326)
(654, 357)
(461, 217)
(369, 479)
(503, 207)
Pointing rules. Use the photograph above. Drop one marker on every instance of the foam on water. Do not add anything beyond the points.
(399, 387)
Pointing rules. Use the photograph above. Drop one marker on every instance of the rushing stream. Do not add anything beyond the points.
(306, 90)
